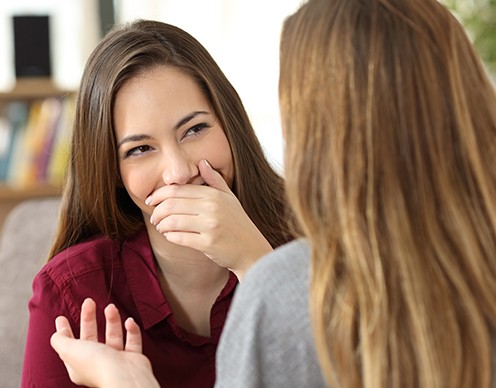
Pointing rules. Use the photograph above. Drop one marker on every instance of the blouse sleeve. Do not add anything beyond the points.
(42, 365)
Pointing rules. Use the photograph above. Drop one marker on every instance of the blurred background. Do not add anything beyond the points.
(479, 19)
(243, 37)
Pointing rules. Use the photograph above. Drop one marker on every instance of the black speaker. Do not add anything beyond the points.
(32, 46)
(107, 17)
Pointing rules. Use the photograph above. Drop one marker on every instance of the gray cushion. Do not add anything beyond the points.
(24, 243)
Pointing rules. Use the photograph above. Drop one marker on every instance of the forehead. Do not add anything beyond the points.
(161, 94)
(162, 80)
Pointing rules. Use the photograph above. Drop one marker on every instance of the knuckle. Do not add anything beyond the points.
(173, 190)
(213, 207)
(168, 224)
(168, 205)
(213, 223)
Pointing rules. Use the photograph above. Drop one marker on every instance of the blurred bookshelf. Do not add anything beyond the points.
(28, 88)
(35, 124)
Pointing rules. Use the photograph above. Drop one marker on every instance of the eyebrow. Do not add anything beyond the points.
(132, 138)
(189, 117)
(180, 123)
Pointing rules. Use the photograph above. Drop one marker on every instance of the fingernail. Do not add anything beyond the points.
(57, 325)
(148, 200)
(151, 220)
(207, 163)
(87, 300)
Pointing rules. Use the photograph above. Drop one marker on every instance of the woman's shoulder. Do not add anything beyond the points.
(289, 260)
(95, 253)
(269, 324)
(281, 273)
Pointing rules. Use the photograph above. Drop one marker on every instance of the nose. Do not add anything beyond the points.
(178, 168)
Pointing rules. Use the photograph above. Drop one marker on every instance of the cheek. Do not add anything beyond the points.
(137, 183)
(220, 156)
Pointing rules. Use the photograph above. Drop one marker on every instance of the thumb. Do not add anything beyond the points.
(212, 177)
(61, 340)
(63, 326)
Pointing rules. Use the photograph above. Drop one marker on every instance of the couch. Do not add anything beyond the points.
(24, 242)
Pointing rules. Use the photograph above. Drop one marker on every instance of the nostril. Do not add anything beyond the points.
(179, 168)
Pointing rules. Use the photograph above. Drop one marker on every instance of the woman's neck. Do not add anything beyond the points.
(190, 281)
(184, 265)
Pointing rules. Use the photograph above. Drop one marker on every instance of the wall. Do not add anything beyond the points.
(243, 37)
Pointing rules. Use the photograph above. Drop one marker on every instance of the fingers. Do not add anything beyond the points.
(133, 336)
(85, 361)
(197, 241)
(177, 207)
(183, 223)
(189, 191)
(183, 200)
(89, 329)
(212, 177)
(190, 215)
(63, 327)
(61, 338)
(113, 328)
(59, 341)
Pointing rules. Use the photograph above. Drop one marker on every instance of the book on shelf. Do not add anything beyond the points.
(16, 114)
(57, 163)
(34, 140)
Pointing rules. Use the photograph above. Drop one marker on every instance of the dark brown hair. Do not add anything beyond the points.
(94, 200)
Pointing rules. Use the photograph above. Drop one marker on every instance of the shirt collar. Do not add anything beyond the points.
(140, 267)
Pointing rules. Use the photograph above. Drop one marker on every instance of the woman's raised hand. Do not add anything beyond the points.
(113, 364)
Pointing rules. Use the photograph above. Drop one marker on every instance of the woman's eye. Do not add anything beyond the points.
(137, 150)
(195, 130)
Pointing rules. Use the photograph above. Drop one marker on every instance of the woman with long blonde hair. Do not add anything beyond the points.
(390, 125)
(398, 198)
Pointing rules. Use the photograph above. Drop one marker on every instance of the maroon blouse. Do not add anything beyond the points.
(125, 275)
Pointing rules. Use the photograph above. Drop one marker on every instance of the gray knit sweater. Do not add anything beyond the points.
(267, 340)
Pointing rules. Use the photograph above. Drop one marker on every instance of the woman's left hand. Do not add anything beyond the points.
(117, 363)
(209, 219)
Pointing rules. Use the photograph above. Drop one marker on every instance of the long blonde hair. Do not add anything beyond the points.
(390, 124)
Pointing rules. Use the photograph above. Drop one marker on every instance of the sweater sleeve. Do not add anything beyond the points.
(267, 340)
(42, 366)
(240, 353)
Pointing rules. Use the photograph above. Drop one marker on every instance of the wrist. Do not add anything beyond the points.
(250, 260)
